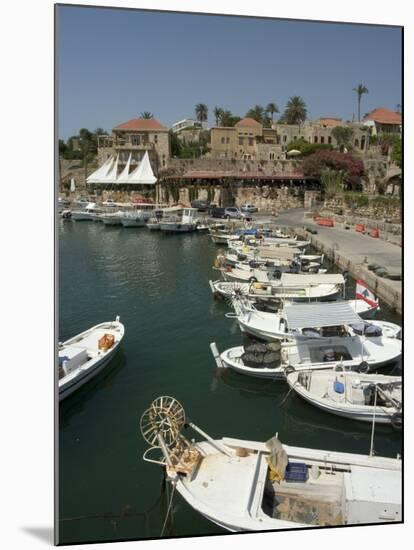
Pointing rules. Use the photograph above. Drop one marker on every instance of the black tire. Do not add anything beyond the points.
(252, 280)
(396, 421)
(363, 367)
(277, 274)
(289, 369)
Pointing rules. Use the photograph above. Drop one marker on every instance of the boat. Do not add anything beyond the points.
(274, 359)
(365, 397)
(243, 485)
(153, 224)
(65, 214)
(85, 355)
(244, 272)
(112, 218)
(301, 321)
(183, 222)
(139, 216)
(90, 213)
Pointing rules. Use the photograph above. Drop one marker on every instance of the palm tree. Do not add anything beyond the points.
(360, 91)
(295, 111)
(257, 113)
(272, 108)
(147, 114)
(201, 112)
(218, 113)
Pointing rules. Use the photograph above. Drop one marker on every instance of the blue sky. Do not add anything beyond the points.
(114, 64)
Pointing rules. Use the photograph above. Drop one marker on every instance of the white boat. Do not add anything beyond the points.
(315, 320)
(270, 360)
(137, 217)
(289, 287)
(112, 218)
(85, 355)
(244, 485)
(89, 213)
(184, 222)
(365, 397)
(244, 273)
(153, 224)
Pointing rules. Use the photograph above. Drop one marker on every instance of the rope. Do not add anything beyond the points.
(288, 393)
(124, 513)
(168, 511)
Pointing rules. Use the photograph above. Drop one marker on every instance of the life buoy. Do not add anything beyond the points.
(363, 367)
(396, 421)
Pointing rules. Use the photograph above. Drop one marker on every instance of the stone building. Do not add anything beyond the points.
(320, 132)
(383, 120)
(135, 137)
(247, 140)
(187, 130)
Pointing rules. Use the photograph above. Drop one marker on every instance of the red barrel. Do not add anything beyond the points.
(374, 233)
(360, 227)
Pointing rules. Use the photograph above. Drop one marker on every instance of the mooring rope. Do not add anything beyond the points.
(168, 510)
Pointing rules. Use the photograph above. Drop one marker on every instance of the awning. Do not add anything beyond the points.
(316, 279)
(320, 315)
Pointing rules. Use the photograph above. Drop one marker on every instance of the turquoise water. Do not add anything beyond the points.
(158, 284)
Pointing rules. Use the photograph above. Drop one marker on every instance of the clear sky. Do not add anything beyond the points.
(114, 64)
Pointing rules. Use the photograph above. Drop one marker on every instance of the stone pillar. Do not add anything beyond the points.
(310, 199)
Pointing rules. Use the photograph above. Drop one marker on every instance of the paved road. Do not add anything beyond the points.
(355, 246)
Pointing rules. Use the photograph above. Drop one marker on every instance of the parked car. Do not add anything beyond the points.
(201, 205)
(233, 212)
(250, 208)
(218, 212)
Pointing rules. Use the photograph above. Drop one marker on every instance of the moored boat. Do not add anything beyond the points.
(245, 485)
(85, 355)
(364, 397)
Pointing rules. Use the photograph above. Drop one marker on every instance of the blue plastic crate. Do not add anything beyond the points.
(296, 471)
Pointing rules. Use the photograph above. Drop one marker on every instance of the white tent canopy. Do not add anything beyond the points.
(96, 177)
(143, 174)
(124, 175)
(320, 315)
(112, 173)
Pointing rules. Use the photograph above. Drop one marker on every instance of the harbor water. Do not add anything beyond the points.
(158, 285)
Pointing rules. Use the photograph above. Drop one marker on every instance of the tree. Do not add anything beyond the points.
(201, 112)
(62, 147)
(352, 167)
(228, 119)
(272, 108)
(396, 154)
(147, 115)
(343, 136)
(176, 145)
(258, 113)
(307, 148)
(295, 111)
(100, 132)
(360, 91)
(332, 182)
(218, 113)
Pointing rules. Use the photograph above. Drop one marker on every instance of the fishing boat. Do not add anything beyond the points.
(315, 320)
(183, 222)
(85, 355)
(112, 218)
(244, 272)
(244, 485)
(274, 359)
(365, 397)
(139, 216)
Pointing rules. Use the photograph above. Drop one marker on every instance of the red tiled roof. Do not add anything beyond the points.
(141, 124)
(330, 121)
(217, 174)
(245, 122)
(384, 116)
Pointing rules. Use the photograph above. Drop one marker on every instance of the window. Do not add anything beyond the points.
(155, 138)
(227, 140)
(136, 140)
(284, 139)
(278, 140)
(356, 143)
(222, 140)
(251, 141)
(322, 139)
(241, 141)
(295, 138)
(329, 139)
(315, 139)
